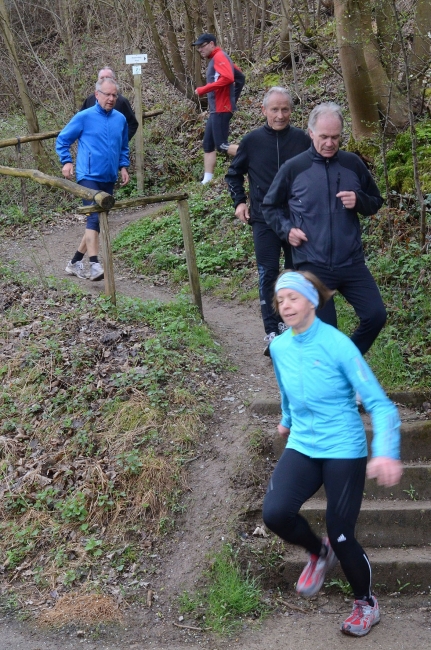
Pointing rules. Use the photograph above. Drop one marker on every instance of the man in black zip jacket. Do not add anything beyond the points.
(313, 204)
(260, 155)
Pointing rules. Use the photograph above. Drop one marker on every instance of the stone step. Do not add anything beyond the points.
(415, 440)
(415, 435)
(404, 570)
(381, 523)
(415, 485)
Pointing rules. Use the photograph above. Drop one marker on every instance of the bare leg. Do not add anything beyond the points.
(232, 149)
(91, 242)
(210, 162)
(82, 248)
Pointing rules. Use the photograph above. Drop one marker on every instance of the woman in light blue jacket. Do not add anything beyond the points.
(319, 371)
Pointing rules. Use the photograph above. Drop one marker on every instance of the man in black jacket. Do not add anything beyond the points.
(260, 155)
(122, 104)
(313, 204)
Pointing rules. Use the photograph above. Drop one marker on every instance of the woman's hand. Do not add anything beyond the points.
(283, 431)
(386, 470)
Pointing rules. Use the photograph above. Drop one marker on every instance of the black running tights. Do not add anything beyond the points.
(296, 478)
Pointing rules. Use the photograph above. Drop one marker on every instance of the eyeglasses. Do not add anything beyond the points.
(201, 47)
(108, 94)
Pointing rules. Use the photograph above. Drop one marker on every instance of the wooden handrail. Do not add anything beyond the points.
(28, 138)
(135, 202)
(104, 200)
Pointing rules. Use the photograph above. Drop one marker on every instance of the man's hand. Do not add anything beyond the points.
(386, 470)
(296, 237)
(67, 171)
(241, 211)
(348, 199)
(283, 431)
(124, 176)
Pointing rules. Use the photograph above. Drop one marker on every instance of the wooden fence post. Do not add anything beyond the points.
(23, 182)
(108, 266)
(183, 209)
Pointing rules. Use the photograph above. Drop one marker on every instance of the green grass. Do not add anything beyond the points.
(224, 248)
(230, 595)
(342, 585)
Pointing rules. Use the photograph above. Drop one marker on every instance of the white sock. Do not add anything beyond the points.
(207, 177)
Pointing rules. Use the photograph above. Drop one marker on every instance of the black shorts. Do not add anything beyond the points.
(217, 132)
(93, 217)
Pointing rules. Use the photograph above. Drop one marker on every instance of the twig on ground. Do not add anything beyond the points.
(290, 606)
(191, 627)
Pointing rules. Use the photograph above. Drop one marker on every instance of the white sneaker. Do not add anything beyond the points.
(268, 340)
(76, 269)
(96, 271)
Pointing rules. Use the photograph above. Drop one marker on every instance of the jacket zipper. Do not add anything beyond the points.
(330, 212)
(338, 184)
(278, 153)
(301, 365)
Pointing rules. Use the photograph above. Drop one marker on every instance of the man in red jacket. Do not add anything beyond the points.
(224, 84)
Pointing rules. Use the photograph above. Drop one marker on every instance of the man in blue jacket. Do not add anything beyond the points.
(260, 155)
(103, 151)
(313, 204)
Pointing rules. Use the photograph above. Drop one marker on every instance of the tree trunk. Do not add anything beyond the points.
(62, 21)
(389, 100)
(262, 29)
(303, 15)
(194, 9)
(359, 89)
(420, 54)
(41, 159)
(160, 51)
(387, 35)
(419, 191)
(285, 32)
(237, 24)
(211, 17)
(173, 43)
(193, 60)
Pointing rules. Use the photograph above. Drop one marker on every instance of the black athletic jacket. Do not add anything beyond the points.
(260, 155)
(303, 195)
(123, 106)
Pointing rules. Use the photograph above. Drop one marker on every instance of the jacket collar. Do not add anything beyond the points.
(101, 110)
(321, 159)
(275, 132)
(214, 52)
(309, 334)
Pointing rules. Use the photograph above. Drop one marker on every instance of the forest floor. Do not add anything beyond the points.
(215, 498)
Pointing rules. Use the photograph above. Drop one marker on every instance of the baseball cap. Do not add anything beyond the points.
(205, 38)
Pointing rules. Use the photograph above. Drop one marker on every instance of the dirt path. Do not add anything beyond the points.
(211, 499)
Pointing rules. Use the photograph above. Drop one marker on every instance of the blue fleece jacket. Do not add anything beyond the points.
(319, 372)
(102, 144)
